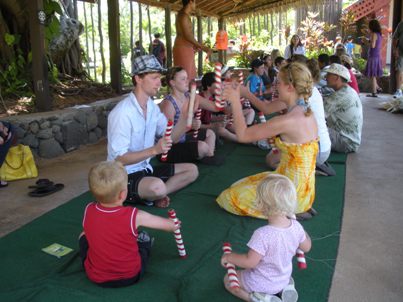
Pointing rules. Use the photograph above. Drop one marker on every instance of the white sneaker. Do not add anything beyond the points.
(262, 297)
(289, 293)
(398, 94)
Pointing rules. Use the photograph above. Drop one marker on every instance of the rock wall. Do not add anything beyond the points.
(51, 134)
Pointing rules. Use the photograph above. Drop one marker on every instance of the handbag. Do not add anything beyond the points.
(19, 164)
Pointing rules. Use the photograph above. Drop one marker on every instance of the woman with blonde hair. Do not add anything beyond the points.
(295, 135)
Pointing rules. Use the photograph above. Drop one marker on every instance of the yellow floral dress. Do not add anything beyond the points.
(297, 163)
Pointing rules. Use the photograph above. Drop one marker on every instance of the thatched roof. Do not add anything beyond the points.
(233, 9)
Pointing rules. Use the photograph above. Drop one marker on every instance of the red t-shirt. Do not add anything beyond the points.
(353, 84)
(112, 243)
(206, 114)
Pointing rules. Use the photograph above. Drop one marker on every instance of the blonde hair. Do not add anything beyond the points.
(299, 76)
(106, 180)
(276, 195)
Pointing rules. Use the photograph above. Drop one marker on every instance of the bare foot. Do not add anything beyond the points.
(162, 203)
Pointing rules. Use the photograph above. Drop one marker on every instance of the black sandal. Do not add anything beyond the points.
(46, 190)
(372, 95)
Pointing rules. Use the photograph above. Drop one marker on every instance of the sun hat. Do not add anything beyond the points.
(256, 63)
(145, 64)
(346, 59)
(226, 68)
(339, 70)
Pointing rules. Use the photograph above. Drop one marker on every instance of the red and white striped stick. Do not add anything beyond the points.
(218, 89)
(198, 115)
(232, 275)
(167, 134)
(177, 234)
(191, 105)
(245, 102)
(301, 259)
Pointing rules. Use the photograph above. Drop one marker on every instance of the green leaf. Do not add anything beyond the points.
(10, 39)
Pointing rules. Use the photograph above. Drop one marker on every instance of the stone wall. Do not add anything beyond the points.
(51, 134)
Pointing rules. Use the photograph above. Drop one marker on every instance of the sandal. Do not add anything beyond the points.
(42, 183)
(46, 190)
(3, 184)
(372, 95)
(162, 203)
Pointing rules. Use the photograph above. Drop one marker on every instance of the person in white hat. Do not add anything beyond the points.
(134, 125)
(343, 111)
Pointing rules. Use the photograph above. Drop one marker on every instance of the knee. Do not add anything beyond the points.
(158, 188)
(192, 171)
(210, 133)
(203, 149)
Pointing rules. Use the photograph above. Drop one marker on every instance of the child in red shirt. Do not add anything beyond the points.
(113, 253)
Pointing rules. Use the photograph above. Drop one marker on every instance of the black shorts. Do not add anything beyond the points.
(163, 172)
(187, 151)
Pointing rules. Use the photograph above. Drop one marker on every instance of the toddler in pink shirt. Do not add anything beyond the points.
(268, 263)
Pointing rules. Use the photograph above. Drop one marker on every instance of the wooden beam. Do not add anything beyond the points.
(114, 44)
(43, 100)
(168, 35)
(200, 40)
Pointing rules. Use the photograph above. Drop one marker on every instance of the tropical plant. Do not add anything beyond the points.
(314, 32)
(347, 24)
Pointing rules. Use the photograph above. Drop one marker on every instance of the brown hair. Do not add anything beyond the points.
(313, 67)
(170, 75)
(299, 76)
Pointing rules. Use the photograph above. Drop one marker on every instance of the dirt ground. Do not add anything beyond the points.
(64, 94)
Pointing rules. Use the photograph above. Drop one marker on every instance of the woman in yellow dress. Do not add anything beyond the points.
(295, 136)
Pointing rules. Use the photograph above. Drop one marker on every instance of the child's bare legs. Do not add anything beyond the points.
(249, 115)
(206, 148)
(273, 159)
(238, 292)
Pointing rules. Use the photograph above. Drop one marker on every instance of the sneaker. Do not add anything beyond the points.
(398, 94)
(262, 297)
(325, 169)
(289, 293)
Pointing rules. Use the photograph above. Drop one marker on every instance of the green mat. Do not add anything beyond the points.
(28, 274)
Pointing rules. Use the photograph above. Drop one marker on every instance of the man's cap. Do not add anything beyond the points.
(256, 63)
(146, 64)
(339, 70)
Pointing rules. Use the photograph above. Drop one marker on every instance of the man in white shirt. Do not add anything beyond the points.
(135, 134)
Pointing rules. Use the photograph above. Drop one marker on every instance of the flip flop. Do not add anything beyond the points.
(42, 183)
(47, 190)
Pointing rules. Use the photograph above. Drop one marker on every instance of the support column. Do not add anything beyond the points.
(43, 100)
(397, 16)
(200, 40)
(221, 52)
(168, 35)
(114, 44)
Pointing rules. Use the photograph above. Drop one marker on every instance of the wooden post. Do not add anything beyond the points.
(168, 35)
(200, 40)
(101, 40)
(221, 52)
(114, 44)
(397, 17)
(43, 100)
(149, 31)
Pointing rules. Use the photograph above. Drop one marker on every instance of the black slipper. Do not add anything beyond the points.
(372, 95)
(42, 184)
(47, 190)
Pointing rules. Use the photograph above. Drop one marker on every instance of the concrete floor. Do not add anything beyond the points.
(371, 245)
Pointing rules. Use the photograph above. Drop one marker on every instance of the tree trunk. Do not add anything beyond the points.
(101, 39)
(93, 42)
